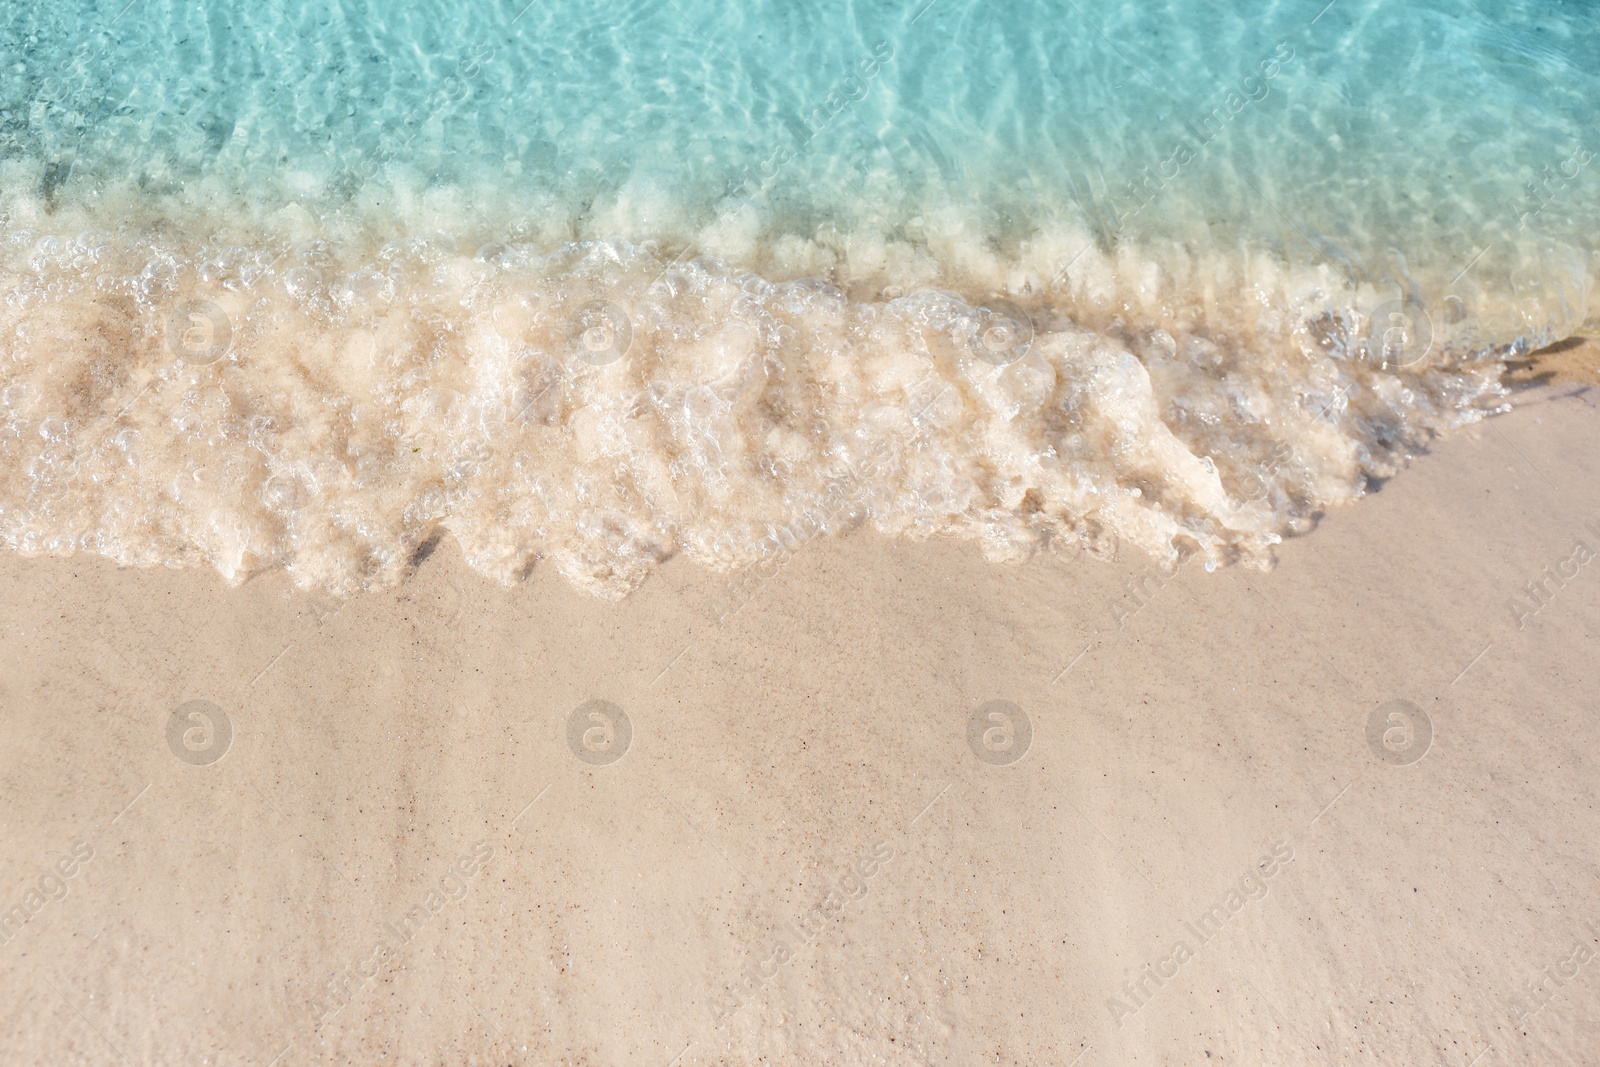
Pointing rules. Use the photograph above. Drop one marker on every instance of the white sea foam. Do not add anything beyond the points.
(280, 399)
(304, 287)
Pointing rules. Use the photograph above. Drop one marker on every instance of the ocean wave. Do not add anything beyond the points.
(599, 405)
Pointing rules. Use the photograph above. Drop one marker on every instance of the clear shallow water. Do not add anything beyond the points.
(305, 285)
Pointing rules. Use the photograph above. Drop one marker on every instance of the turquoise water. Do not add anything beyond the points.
(305, 285)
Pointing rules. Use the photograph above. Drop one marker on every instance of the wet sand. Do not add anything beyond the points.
(1199, 829)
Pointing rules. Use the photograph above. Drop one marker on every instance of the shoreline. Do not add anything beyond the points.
(687, 878)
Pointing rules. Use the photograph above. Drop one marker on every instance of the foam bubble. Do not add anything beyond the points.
(329, 406)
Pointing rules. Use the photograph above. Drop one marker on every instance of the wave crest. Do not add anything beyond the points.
(602, 406)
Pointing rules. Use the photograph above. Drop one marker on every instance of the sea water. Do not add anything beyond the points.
(307, 285)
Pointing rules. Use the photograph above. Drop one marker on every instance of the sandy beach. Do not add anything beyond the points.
(1339, 812)
(735, 533)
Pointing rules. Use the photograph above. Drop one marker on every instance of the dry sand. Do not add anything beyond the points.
(800, 858)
